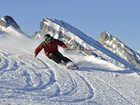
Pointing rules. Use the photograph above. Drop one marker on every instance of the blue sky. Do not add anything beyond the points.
(118, 17)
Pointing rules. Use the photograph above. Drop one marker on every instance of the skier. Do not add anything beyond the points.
(50, 46)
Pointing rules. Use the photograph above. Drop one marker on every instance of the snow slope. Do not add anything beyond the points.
(26, 80)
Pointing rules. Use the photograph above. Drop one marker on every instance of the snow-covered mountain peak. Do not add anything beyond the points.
(7, 21)
(119, 48)
(9, 27)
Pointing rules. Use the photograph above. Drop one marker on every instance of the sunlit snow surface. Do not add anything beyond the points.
(24, 77)
(26, 80)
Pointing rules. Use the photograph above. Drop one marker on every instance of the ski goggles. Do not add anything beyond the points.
(48, 39)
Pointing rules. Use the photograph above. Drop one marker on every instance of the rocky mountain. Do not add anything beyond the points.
(75, 39)
(79, 41)
(8, 27)
(7, 21)
(119, 48)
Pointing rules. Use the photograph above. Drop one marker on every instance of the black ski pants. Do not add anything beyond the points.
(58, 57)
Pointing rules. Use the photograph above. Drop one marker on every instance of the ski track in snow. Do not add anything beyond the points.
(119, 96)
(26, 80)
(25, 77)
(73, 85)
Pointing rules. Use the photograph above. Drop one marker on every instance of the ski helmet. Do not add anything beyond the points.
(48, 37)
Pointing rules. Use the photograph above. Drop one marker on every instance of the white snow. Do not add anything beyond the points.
(26, 80)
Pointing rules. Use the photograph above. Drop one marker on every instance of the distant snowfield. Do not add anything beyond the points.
(26, 80)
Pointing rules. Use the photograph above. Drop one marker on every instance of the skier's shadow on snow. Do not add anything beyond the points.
(92, 69)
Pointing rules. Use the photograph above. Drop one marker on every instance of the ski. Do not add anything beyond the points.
(70, 65)
(73, 67)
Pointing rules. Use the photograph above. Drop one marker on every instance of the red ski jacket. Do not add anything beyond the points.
(49, 46)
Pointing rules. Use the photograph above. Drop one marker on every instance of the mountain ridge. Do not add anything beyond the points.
(9, 25)
(73, 37)
(66, 32)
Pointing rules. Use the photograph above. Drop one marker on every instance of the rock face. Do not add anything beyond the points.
(7, 21)
(9, 27)
(119, 48)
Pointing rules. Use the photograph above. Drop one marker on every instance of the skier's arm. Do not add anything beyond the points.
(62, 44)
(38, 49)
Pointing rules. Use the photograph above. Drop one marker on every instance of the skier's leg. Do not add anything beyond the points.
(54, 57)
(67, 61)
(63, 58)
